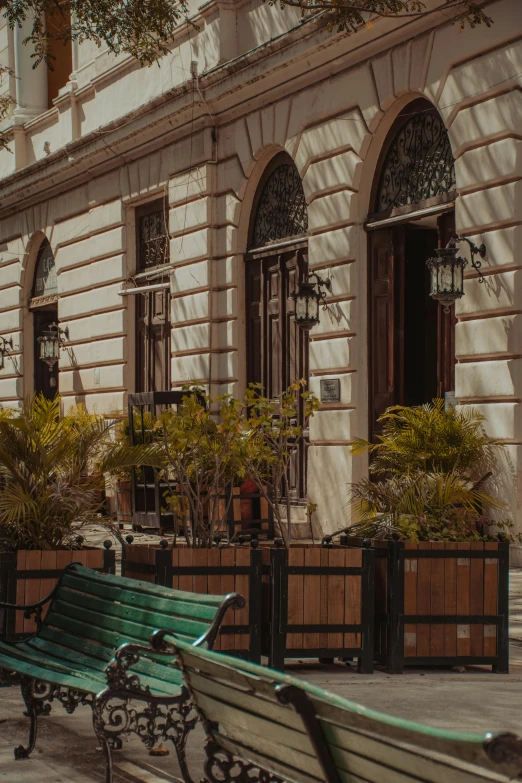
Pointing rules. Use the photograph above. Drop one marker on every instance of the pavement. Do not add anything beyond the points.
(470, 700)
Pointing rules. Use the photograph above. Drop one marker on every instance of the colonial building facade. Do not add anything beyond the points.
(163, 217)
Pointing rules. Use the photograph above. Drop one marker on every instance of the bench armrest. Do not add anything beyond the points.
(30, 609)
(120, 680)
(232, 601)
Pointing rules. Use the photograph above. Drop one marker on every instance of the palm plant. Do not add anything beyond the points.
(52, 469)
(427, 438)
(420, 485)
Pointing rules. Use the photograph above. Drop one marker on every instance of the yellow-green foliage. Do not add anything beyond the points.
(51, 472)
(428, 438)
(208, 452)
(420, 485)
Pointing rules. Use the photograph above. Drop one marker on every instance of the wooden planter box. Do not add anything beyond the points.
(214, 572)
(321, 604)
(441, 604)
(28, 576)
(310, 602)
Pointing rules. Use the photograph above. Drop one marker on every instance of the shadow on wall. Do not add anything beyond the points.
(501, 484)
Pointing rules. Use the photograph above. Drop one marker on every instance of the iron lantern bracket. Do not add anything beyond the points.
(62, 335)
(319, 281)
(6, 345)
(475, 251)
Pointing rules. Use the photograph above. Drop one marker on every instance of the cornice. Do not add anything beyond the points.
(303, 56)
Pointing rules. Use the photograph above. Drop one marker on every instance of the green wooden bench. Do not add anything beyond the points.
(267, 726)
(90, 616)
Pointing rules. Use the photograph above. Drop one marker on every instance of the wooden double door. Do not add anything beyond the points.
(411, 339)
(277, 349)
(153, 341)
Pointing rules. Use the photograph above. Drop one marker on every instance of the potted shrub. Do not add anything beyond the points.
(316, 602)
(441, 587)
(52, 470)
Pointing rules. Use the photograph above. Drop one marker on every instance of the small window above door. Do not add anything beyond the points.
(280, 209)
(45, 278)
(152, 235)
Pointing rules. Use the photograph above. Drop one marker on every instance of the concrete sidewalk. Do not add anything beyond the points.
(475, 700)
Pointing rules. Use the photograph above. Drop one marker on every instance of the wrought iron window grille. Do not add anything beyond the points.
(281, 211)
(419, 164)
(153, 240)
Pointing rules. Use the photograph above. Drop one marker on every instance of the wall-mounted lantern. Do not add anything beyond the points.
(51, 340)
(447, 271)
(5, 347)
(307, 299)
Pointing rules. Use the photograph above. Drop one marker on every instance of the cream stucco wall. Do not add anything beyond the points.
(329, 101)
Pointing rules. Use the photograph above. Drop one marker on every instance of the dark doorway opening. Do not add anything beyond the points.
(411, 339)
(45, 378)
(420, 312)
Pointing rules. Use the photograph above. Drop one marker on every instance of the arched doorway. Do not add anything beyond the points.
(277, 260)
(44, 307)
(411, 339)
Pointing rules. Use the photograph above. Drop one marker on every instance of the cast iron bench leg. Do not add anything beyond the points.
(35, 707)
(114, 715)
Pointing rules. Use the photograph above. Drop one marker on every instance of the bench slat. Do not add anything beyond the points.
(464, 746)
(91, 624)
(144, 617)
(20, 653)
(137, 586)
(96, 667)
(110, 639)
(250, 701)
(279, 768)
(159, 668)
(401, 767)
(416, 761)
(287, 745)
(171, 606)
(40, 672)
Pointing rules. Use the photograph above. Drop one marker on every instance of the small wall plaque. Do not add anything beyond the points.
(331, 390)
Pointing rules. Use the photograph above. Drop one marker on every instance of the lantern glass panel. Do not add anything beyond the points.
(313, 308)
(459, 278)
(434, 278)
(300, 307)
(49, 348)
(446, 276)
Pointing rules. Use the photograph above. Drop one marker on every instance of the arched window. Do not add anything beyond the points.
(277, 349)
(419, 163)
(45, 278)
(281, 209)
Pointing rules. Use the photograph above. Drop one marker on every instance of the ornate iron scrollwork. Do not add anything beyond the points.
(222, 767)
(419, 163)
(151, 720)
(35, 694)
(281, 211)
(153, 240)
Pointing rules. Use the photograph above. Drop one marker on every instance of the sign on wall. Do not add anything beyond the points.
(330, 390)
